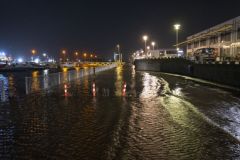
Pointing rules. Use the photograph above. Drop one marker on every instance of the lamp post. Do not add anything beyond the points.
(45, 56)
(33, 53)
(76, 54)
(91, 57)
(120, 55)
(177, 27)
(85, 56)
(153, 45)
(145, 38)
(64, 55)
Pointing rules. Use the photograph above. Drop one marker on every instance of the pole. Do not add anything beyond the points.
(145, 46)
(177, 39)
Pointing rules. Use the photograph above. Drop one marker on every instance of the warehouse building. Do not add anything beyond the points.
(225, 38)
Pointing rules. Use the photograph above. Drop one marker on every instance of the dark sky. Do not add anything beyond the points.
(97, 26)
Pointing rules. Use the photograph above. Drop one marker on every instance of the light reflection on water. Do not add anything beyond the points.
(119, 81)
(156, 120)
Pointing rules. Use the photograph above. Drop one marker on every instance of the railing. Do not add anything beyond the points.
(3, 90)
(47, 81)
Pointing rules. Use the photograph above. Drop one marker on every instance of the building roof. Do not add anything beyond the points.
(223, 27)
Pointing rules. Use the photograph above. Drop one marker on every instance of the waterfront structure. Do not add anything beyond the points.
(3, 57)
(225, 38)
(158, 53)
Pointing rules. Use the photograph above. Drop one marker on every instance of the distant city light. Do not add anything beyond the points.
(51, 60)
(44, 54)
(45, 72)
(2, 53)
(20, 60)
(33, 51)
(36, 60)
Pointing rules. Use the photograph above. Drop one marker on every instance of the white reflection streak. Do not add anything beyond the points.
(151, 86)
(177, 91)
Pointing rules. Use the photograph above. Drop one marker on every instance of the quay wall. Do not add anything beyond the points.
(228, 74)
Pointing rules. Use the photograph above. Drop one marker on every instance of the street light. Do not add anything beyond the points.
(153, 44)
(148, 47)
(177, 27)
(85, 56)
(119, 53)
(64, 54)
(76, 53)
(33, 53)
(145, 38)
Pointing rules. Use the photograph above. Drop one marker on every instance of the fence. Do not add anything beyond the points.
(3, 89)
(46, 81)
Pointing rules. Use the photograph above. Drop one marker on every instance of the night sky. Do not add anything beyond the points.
(97, 26)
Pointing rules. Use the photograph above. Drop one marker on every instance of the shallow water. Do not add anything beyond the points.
(159, 117)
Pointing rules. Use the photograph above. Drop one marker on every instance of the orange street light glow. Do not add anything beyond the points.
(33, 51)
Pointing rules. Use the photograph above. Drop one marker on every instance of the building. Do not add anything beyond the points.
(158, 53)
(3, 57)
(225, 38)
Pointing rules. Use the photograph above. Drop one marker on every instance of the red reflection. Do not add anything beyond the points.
(124, 89)
(94, 89)
(66, 94)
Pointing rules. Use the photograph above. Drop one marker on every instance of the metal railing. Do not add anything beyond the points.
(47, 81)
(3, 90)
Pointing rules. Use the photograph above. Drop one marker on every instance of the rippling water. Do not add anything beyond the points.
(159, 117)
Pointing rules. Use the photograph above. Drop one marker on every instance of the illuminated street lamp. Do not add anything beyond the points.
(64, 55)
(153, 45)
(148, 47)
(85, 56)
(33, 51)
(177, 27)
(91, 57)
(45, 56)
(76, 53)
(145, 38)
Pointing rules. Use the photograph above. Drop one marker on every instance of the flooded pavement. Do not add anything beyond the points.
(158, 117)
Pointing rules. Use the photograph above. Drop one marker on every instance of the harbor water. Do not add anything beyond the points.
(120, 114)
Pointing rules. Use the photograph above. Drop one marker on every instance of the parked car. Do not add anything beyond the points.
(205, 54)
